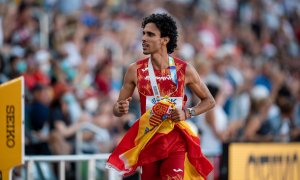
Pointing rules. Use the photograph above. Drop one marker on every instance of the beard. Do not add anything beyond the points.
(146, 52)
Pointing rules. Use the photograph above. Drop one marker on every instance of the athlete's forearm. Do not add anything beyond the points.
(205, 105)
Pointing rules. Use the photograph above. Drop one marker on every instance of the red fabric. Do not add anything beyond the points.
(165, 86)
(31, 79)
(160, 145)
(195, 155)
(103, 84)
(170, 168)
(126, 143)
(297, 32)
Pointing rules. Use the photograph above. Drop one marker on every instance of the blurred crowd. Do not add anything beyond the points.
(73, 55)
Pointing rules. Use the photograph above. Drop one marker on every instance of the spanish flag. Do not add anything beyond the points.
(126, 157)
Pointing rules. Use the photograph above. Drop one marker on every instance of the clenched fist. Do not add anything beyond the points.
(177, 114)
(122, 107)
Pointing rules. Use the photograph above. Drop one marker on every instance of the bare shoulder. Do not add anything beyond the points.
(190, 69)
(132, 67)
(191, 74)
(130, 75)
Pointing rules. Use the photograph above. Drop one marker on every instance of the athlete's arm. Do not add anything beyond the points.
(193, 81)
(121, 107)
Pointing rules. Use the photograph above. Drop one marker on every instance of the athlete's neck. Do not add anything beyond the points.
(160, 61)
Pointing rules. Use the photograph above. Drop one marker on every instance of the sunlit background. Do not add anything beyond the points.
(73, 55)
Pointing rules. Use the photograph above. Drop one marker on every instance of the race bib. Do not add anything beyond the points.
(150, 101)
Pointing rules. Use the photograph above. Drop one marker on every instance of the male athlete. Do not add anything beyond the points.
(157, 76)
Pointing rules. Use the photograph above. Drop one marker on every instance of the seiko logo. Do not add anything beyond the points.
(10, 126)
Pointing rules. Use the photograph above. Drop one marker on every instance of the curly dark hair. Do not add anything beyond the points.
(167, 27)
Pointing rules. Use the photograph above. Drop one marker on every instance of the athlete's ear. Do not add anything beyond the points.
(165, 40)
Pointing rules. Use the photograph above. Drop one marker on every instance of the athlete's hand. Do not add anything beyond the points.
(122, 107)
(177, 114)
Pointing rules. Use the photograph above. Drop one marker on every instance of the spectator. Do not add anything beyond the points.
(39, 121)
(3, 77)
(63, 129)
(295, 134)
(286, 103)
(257, 127)
(214, 126)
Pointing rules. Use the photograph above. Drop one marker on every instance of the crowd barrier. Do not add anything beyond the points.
(240, 161)
(46, 172)
(39, 167)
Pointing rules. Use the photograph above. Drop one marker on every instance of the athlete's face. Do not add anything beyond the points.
(151, 41)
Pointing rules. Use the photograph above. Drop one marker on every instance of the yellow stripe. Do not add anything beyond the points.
(131, 156)
(190, 173)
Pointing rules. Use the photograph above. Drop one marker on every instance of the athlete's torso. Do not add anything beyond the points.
(164, 82)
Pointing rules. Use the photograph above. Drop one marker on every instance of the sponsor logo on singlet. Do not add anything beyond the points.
(160, 78)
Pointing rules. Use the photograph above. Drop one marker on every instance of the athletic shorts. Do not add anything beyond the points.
(165, 169)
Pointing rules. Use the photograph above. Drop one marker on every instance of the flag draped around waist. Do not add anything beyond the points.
(125, 157)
